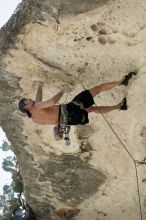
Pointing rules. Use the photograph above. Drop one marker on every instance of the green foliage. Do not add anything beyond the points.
(14, 204)
(18, 186)
(9, 163)
(6, 189)
(6, 209)
(7, 169)
(12, 159)
(5, 146)
(6, 216)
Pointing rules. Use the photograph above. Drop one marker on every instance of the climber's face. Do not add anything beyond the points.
(28, 104)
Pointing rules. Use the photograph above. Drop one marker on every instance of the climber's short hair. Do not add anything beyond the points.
(21, 106)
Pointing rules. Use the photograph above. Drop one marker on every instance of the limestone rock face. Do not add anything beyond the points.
(81, 43)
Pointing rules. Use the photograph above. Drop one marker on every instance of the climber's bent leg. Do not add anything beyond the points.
(104, 87)
(103, 109)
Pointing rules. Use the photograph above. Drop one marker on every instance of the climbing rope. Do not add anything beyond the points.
(138, 191)
(136, 162)
(116, 135)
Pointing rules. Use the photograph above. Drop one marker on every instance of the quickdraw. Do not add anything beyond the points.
(140, 162)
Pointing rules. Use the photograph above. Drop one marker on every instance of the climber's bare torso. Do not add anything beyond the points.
(47, 115)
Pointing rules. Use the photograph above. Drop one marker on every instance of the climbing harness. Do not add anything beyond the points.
(62, 129)
(64, 125)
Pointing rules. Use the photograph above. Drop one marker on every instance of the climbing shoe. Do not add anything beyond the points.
(127, 78)
(123, 104)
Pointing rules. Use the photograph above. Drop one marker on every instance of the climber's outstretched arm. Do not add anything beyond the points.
(39, 93)
(50, 102)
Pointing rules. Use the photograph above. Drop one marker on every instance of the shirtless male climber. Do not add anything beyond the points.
(47, 112)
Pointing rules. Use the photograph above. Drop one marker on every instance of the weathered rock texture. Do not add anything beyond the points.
(96, 41)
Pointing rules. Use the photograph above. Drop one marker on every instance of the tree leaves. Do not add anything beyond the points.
(5, 146)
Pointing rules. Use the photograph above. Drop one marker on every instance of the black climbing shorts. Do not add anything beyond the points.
(76, 112)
